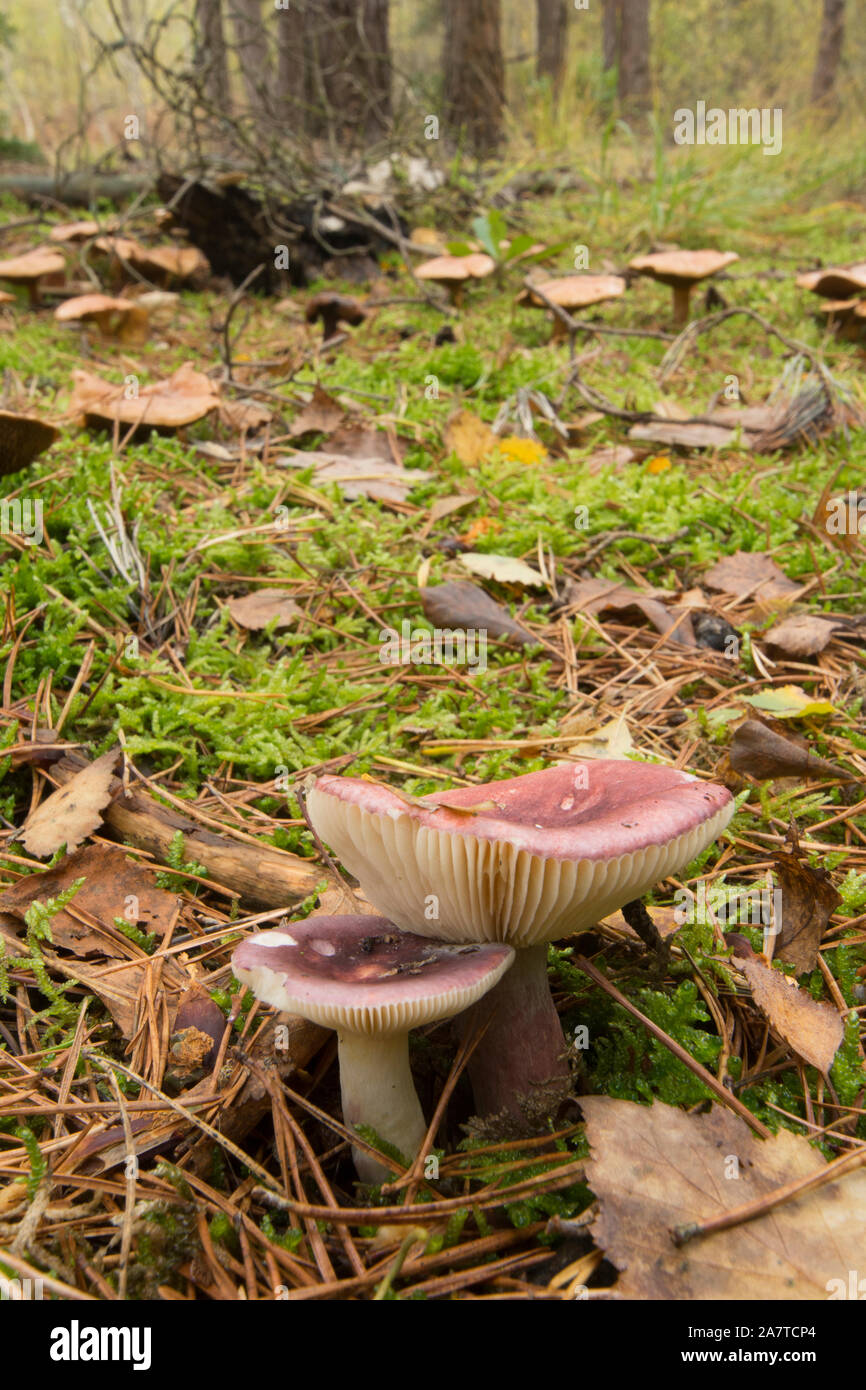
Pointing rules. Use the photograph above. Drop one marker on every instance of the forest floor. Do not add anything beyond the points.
(221, 722)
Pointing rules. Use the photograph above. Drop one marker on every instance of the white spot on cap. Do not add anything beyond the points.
(275, 938)
(323, 948)
(566, 803)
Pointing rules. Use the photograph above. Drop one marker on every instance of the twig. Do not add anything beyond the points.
(680, 1235)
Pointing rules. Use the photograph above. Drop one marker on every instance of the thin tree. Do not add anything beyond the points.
(251, 46)
(551, 45)
(626, 46)
(211, 53)
(474, 96)
(829, 52)
(348, 68)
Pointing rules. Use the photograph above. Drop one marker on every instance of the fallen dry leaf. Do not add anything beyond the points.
(372, 476)
(752, 574)
(254, 611)
(605, 595)
(469, 438)
(813, 1030)
(464, 605)
(322, 415)
(186, 396)
(114, 886)
(654, 1168)
(244, 415)
(610, 740)
(808, 901)
(801, 635)
(505, 569)
(73, 812)
(758, 751)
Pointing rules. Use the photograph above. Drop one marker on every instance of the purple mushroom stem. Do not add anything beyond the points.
(522, 1054)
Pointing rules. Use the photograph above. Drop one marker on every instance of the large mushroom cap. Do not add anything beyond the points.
(443, 269)
(680, 268)
(22, 439)
(577, 291)
(835, 282)
(33, 265)
(74, 231)
(360, 974)
(543, 855)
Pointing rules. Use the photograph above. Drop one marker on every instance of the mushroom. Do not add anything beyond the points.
(22, 439)
(452, 271)
(32, 267)
(573, 292)
(682, 270)
(74, 231)
(835, 282)
(372, 983)
(527, 861)
(112, 316)
(334, 309)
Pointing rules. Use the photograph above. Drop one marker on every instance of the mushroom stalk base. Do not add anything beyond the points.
(519, 1066)
(378, 1090)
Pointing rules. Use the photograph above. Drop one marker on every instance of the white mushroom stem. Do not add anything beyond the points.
(521, 1057)
(378, 1090)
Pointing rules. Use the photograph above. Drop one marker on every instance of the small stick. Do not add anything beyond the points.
(680, 1235)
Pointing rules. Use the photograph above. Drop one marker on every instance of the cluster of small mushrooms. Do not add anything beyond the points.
(472, 885)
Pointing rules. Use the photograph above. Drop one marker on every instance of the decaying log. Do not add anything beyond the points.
(261, 875)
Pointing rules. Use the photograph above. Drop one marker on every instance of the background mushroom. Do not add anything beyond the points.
(31, 269)
(835, 282)
(22, 439)
(573, 292)
(529, 860)
(682, 270)
(332, 310)
(372, 983)
(114, 317)
(453, 271)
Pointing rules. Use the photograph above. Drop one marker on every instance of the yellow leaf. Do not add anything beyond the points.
(789, 702)
(659, 463)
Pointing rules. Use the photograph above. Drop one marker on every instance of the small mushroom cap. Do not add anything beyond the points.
(444, 269)
(74, 231)
(90, 306)
(6, 297)
(32, 265)
(577, 291)
(340, 308)
(835, 282)
(544, 855)
(361, 974)
(680, 268)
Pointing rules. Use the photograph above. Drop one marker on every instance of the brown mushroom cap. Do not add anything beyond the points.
(32, 267)
(544, 855)
(22, 439)
(835, 282)
(74, 231)
(446, 269)
(334, 309)
(682, 268)
(91, 306)
(576, 291)
(186, 396)
(363, 975)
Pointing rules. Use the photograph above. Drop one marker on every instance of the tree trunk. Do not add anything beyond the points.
(211, 54)
(251, 46)
(551, 29)
(348, 68)
(829, 52)
(610, 27)
(474, 98)
(292, 93)
(634, 57)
